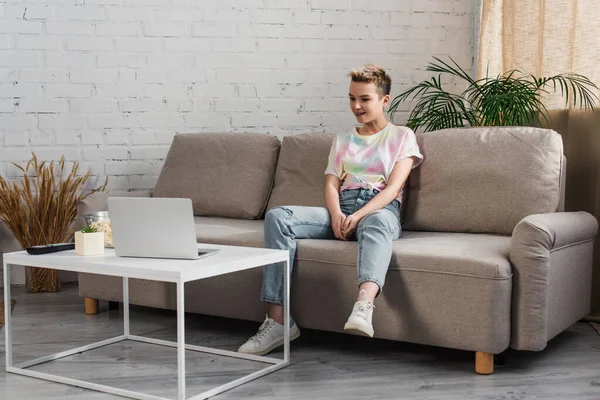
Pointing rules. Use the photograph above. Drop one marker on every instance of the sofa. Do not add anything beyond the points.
(488, 258)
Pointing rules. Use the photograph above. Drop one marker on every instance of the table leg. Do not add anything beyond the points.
(126, 331)
(7, 316)
(180, 341)
(286, 312)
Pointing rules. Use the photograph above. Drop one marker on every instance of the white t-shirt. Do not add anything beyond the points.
(367, 161)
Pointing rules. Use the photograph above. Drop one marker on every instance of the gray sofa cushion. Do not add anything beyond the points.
(484, 179)
(300, 175)
(225, 174)
(477, 255)
(234, 232)
(434, 280)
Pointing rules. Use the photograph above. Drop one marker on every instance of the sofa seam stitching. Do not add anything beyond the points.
(414, 270)
(571, 245)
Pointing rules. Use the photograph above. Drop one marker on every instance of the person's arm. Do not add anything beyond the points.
(395, 183)
(332, 194)
(332, 200)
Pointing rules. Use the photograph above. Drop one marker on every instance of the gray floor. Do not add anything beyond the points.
(324, 365)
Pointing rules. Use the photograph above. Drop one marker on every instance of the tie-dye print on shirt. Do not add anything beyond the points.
(367, 161)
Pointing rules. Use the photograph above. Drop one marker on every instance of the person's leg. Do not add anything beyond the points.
(368, 290)
(375, 234)
(283, 225)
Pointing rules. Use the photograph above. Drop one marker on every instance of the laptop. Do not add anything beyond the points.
(154, 228)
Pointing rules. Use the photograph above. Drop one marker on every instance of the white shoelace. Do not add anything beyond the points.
(264, 328)
(363, 307)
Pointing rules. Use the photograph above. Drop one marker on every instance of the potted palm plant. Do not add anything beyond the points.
(510, 99)
(40, 209)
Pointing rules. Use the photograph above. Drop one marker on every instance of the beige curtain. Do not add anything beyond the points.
(544, 38)
(540, 37)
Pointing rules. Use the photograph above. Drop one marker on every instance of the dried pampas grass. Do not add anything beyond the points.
(40, 209)
(12, 306)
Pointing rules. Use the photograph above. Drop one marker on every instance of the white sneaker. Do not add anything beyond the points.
(360, 321)
(268, 338)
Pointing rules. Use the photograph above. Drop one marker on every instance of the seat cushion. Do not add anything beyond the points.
(224, 174)
(443, 289)
(477, 255)
(300, 175)
(234, 232)
(484, 180)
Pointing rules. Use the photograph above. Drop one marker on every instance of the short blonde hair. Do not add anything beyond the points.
(373, 73)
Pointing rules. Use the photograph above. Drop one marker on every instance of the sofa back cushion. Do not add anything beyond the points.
(484, 180)
(224, 174)
(300, 175)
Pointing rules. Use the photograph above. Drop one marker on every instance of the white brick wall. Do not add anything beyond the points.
(109, 82)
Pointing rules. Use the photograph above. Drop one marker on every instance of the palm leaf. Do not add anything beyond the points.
(575, 85)
(512, 98)
(439, 109)
(446, 68)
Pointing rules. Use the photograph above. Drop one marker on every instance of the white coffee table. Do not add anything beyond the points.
(230, 259)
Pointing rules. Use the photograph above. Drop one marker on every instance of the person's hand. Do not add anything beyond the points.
(337, 221)
(350, 224)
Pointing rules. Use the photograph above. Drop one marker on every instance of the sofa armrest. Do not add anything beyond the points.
(99, 202)
(551, 256)
(8, 242)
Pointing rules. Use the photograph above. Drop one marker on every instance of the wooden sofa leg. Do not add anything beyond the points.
(91, 306)
(484, 363)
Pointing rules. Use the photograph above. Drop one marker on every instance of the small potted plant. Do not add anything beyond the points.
(89, 241)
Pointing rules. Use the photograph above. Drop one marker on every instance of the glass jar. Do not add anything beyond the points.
(101, 222)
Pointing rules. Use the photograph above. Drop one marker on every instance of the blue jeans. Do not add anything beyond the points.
(375, 233)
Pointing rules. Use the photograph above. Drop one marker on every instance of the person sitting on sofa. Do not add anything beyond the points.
(366, 172)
